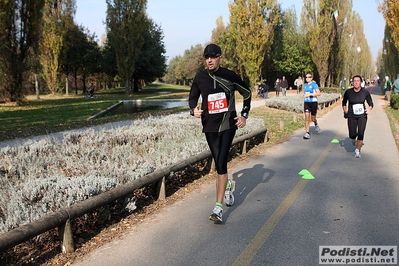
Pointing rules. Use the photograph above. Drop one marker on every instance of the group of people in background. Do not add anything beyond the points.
(281, 85)
(389, 87)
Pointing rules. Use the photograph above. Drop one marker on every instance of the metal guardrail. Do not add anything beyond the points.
(62, 218)
(324, 104)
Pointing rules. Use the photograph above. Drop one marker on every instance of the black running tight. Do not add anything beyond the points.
(219, 144)
(357, 126)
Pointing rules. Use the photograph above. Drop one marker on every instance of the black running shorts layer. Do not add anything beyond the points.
(310, 107)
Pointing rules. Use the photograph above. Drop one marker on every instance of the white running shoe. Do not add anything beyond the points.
(357, 154)
(317, 128)
(217, 214)
(306, 136)
(228, 194)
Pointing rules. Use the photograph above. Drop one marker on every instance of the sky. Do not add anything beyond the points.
(186, 23)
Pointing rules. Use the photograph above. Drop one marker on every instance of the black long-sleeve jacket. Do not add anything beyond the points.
(207, 85)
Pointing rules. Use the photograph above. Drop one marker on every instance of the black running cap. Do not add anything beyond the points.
(212, 50)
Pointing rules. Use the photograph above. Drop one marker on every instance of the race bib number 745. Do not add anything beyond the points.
(217, 103)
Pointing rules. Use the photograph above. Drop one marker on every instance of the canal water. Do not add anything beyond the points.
(135, 106)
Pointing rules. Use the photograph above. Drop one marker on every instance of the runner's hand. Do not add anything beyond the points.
(241, 121)
(197, 112)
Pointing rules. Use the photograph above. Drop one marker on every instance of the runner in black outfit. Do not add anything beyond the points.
(356, 112)
(218, 114)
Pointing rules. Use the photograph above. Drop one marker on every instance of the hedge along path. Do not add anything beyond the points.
(62, 218)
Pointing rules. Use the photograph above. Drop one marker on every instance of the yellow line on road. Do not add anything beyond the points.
(263, 234)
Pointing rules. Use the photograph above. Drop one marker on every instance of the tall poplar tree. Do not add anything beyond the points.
(319, 24)
(19, 27)
(390, 11)
(57, 18)
(390, 55)
(152, 63)
(343, 47)
(290, 55)
(252, 24)
(126, 21)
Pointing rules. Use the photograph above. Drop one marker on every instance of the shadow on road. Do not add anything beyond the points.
(246, 181)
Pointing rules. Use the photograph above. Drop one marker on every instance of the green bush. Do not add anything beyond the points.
(395, 101)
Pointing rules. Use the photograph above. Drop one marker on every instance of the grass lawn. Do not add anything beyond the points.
(393, 116)
(54, 113)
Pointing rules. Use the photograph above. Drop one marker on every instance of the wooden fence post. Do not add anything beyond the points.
(161, 189)
(244, 147)
(65, 233)
(266, 139)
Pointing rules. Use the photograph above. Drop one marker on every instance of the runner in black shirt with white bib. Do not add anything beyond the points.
(216, 86)
(356, 112)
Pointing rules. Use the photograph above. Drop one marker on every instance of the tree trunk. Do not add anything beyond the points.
(84, 82)
(136, 84)
(127, 86)
(75, 74)
(66, 86)
(322, 82)
(37, 88)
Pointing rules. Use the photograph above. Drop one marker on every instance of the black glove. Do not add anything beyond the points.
(345, 115)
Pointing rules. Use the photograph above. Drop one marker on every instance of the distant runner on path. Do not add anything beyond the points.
(310, 92)
(356, 112)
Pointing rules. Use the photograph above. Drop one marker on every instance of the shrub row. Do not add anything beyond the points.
(395, 101)
(294, 103)
(39, 177)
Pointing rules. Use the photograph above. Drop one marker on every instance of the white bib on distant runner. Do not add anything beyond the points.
(358, 109)
(217, 103)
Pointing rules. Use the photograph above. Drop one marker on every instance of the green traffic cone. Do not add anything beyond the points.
(308, 176)
(304, 172)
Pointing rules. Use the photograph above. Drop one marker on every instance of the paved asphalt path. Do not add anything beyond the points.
(279, 218)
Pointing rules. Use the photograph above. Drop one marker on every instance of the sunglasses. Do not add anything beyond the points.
(308, 77)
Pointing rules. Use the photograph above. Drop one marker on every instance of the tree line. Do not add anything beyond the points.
(388, 57)
(41, 44)
(263, 41)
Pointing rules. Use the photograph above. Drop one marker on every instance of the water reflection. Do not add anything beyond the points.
(135, 106)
